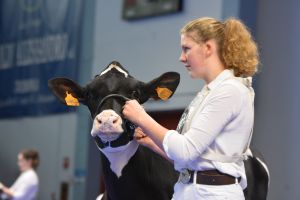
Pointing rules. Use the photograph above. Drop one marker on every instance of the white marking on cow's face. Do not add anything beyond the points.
(100, 196)
(119, 156)
(107, 126)
(112, 66)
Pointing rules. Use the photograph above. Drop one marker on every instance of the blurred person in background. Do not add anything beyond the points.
(26, 185)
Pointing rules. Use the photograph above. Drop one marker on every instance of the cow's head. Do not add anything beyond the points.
(105, 96)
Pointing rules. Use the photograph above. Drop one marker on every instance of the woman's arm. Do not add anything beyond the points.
(220, 109)
(6, 190)
(24, 187)
(136, 114)
(146, 141)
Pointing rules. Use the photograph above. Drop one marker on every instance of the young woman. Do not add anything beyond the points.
(26, 186)
(214, 131)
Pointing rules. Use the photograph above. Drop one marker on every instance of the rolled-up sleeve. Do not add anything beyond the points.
(166, 142)
(26, 186)
(24, 192)
(219, 110)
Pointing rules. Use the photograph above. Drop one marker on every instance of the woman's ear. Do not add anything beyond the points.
(30, 162)
(210, 46)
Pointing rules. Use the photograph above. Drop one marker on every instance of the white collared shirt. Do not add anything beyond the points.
(26, 186)
(221, 122)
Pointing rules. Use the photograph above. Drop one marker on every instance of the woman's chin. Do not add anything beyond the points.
(192, 75)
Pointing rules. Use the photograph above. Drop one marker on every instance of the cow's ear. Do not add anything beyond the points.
(164, 86)
(67, 91)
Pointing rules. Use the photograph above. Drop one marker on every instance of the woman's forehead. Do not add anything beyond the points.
(20, 156)
(187, 39)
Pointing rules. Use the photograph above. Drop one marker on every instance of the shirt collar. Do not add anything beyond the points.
(225, 74)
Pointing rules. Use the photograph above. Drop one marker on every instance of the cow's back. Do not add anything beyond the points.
(146, 176)
(257, 177)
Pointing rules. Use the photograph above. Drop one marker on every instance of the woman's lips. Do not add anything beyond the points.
(188, 67)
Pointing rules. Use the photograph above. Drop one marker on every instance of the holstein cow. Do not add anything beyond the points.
(131, 171)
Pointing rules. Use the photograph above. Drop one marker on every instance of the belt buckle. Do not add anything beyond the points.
(184, 176)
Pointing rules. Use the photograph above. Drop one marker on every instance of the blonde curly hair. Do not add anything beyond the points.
(236, 47)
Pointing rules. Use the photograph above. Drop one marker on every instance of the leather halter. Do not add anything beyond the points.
(130, 127)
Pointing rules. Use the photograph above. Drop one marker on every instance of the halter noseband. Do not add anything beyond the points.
(129, 126)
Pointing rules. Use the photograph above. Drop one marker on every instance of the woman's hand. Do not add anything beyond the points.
(133, 111)
(143, 139)
(146, 141)
(6, 190)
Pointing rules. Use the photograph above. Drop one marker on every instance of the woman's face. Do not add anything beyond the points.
(23, 163)
(193, 56)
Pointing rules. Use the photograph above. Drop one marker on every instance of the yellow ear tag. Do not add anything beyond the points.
(70, 100)
(163, 93)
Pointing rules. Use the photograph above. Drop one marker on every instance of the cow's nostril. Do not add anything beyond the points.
(99, 121)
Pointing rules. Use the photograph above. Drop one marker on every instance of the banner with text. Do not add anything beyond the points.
(39, 40)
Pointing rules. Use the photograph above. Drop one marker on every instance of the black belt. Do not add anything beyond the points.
(209, 177)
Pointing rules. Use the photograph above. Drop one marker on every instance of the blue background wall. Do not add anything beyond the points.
(278, 95)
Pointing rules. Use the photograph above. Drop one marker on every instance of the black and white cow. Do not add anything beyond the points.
(132, 171)
(258, 177)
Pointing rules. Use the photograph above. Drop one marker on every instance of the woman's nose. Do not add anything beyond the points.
(182, 58)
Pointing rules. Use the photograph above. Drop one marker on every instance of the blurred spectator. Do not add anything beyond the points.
(26, 185)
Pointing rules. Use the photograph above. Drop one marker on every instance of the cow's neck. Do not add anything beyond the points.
(119, 156)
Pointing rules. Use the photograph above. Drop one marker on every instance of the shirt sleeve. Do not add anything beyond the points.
(20, 193)
(220, 109)
(25, 190)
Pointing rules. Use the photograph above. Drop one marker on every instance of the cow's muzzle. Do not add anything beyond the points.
(122, 139)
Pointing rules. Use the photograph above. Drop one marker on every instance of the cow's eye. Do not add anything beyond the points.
(88, 95)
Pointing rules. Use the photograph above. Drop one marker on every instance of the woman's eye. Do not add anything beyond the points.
(185, 49)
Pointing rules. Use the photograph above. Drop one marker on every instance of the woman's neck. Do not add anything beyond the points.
(214, 68)
(212, 75)
(26, 169)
